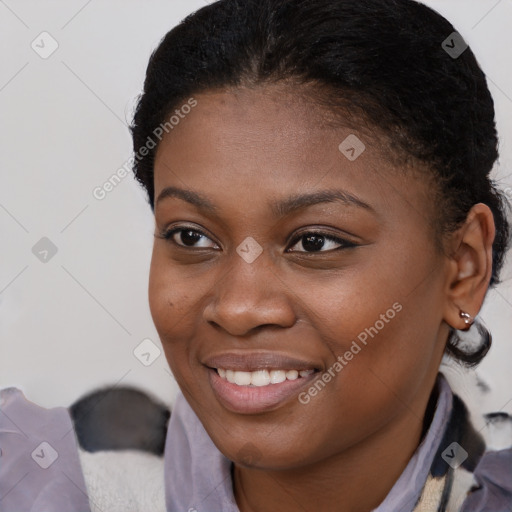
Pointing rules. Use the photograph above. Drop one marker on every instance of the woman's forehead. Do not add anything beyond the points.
(251, 142)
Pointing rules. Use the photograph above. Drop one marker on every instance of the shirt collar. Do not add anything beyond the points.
(407, 489)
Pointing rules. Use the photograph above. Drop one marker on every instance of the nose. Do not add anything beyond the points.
(248, 297)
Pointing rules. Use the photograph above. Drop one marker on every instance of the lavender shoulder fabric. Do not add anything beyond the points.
(493, 477)
(39, 466)
(197, 475)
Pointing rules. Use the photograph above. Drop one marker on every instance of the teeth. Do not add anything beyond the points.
(277, 376)
(292, 374)
(261, 377)
(242, 378)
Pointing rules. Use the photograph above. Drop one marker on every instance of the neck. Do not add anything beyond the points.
(356, 480)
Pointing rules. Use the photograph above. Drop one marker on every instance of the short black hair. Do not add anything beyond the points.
(381, 59)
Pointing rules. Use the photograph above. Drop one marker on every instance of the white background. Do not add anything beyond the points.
(71, 324)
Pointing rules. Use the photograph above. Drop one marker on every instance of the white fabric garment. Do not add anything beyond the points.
(124, 481)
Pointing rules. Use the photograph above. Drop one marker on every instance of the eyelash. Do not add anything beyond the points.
(344, 244)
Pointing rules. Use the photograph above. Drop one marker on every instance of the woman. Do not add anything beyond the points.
(326, 230)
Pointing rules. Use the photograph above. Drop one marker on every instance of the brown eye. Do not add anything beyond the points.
(319, 242)
(186, 237)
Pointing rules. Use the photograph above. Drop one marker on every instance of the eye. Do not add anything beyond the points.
(319, 242)
(188, 237)
(310, 241)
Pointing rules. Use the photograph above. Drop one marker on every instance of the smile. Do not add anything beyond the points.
(261, 378)
(258, 391)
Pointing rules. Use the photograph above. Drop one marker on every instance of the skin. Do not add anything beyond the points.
(241, 149)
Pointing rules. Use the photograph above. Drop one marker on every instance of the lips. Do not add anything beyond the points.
(251, 362)
(257, 382)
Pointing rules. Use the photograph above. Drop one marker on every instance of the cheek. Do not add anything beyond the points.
(169, 296)
(396, 357)
(176, 299)
(172, 287)
(384, 320)
(160, 298)
(168, 303)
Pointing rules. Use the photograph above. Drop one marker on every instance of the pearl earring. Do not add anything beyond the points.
(468, 319)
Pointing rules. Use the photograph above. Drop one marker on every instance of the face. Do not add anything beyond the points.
(296, 286)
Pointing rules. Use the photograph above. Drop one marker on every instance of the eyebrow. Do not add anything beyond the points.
(279, 208)
(198, 200)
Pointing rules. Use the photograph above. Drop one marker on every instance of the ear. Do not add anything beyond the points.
(470, 266)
